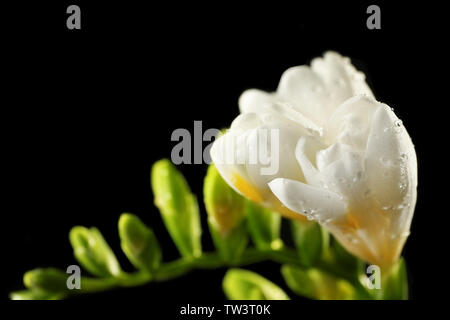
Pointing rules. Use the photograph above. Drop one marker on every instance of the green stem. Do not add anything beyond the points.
(182, 266)
(96, 285)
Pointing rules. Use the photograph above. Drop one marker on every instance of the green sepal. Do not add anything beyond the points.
(240, 284)
(264, 226)
(316, 284)
(139, 243)
(178, 207)
(343, 263)
(394, 285)
(93, 252)
(311, 241)
(46, 280)
(343, 258)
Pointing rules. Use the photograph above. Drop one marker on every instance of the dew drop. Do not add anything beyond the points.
(358, 176)
(352, 239)
(398, 126)
(386, 161)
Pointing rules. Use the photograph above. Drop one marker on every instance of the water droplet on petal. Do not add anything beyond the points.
(386, 161)
(358, 176)
(352, 239)
(398, 126)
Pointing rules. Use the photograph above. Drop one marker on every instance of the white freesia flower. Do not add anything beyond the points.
(345, 160)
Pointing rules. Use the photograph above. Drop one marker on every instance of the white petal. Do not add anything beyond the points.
(246, 121)
(288, 111)
(257, 149)
(305, 152)
(306, 92)
(223, 155)
(317, 91)
(340, 76)
(260, 102)
(254, 100)
(350, 122)
(331, 154)
(271, 154)
(390, 159)
(315, 203)
(342, 170)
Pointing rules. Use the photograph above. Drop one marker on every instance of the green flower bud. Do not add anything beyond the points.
(139, 243)
(240, 284)
(178, 207)
(93, 253)
(48, 280)
(311, 241)
(225, 207)
(35, 295)
(264, 226)
(316, 284)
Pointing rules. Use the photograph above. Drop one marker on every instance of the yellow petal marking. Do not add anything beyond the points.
(246, 188)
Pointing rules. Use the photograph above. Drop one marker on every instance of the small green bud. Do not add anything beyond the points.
(34, 295)
(139, 243)
(178, 207)
(225, 209)
(50, 280)
(316, 284)
(93, 253)
(240, 284)
(264, 226)
(311, 241)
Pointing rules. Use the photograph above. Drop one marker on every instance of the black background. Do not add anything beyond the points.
(88, 112)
